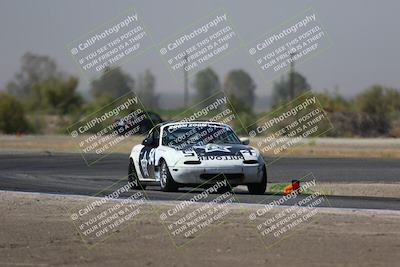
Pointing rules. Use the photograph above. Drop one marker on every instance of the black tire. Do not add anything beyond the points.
(259, 188)
(167, 183)
(224, 189)
(132, 177)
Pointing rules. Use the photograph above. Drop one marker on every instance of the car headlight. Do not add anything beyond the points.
(254, 152)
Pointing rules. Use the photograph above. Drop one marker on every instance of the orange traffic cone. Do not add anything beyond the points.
(295, 186)
(288, 189)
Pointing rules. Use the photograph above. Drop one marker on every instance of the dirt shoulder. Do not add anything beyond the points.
(37, 230)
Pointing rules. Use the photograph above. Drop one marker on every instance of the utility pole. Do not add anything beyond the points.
(185, 83)
(291, 76)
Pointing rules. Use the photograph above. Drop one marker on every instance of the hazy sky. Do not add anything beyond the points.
(365, 36)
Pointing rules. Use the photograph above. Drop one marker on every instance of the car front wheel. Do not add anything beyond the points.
(259, 188)
(167, 183)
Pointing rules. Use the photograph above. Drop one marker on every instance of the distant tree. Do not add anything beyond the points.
(94, 106)
(34, 69)
(333, 102)
(12, 116)
(112, 83)
(246, 115)
(40, 86)
(379, 103)
(206, 83)
(281, 89)
(146, 90)
(373, 112)
(240, 87)
(56, 96)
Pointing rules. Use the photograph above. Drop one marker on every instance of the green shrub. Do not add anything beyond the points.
(12, 117)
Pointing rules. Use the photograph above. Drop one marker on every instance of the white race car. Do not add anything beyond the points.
(180, 154)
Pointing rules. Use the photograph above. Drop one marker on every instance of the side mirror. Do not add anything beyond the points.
(245, 141)
(147, 142)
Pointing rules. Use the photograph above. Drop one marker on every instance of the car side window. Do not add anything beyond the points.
(148, 141)
(150, 135)
(156, 136)
(153, 137)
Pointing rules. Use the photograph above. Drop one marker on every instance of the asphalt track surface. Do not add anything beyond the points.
(67, 173)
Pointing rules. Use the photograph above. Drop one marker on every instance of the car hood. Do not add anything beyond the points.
(210, 151)
(218, 149)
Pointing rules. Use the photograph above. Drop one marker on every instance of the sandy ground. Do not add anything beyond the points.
(322, 147)
(36, 230)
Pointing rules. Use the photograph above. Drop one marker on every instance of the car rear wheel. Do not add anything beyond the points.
(259, 188)
(167, 183)
(133, 178)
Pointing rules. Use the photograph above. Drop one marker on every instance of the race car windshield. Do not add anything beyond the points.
(183, 136)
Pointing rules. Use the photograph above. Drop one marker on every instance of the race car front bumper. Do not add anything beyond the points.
(235, 174)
